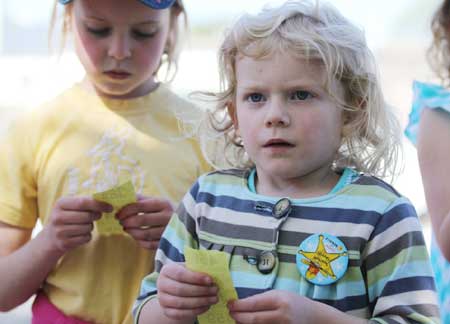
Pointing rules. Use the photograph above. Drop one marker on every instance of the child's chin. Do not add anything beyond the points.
(119, 92)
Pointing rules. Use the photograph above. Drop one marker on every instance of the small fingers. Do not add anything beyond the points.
(145, 234)
(262, 317)
(186, 303)
(148, 238)
(260, 302)
(185, 294)
(76, 217)
(178, 272)
(74, 230)
(180, 314)
(145, 220)
(148, 206)
(175, 288)
(80, 203)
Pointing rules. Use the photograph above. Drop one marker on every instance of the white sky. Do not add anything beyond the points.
(381, 19)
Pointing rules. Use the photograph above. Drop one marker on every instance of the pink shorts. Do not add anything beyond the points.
(44, 312)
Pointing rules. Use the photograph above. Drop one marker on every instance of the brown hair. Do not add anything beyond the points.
(439, 52)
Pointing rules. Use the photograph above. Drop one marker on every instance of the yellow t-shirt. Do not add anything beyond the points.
(79, 144)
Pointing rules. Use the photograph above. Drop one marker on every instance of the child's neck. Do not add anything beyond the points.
(313, 184)
(143, 90)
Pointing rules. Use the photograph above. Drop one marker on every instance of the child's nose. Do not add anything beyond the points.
(277, 115)
(120, 47)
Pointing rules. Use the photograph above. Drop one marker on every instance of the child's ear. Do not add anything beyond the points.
(346, 123)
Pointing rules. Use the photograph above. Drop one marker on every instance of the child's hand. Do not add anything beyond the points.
(71, 222)
(184, 294)
(274, 306)
(146, 220)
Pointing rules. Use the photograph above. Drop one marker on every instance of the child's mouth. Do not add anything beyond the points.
(118, 75)
(278, 143)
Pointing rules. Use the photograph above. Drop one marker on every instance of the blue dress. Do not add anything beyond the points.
(432, 97)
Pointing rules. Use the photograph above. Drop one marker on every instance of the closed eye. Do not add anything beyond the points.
(301, 95)
(141, 34)
(99, 32)
(105, 32)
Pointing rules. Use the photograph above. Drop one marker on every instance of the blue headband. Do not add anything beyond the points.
(155, 4)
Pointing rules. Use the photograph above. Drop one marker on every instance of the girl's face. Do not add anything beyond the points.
(289, 124)
(120, 44)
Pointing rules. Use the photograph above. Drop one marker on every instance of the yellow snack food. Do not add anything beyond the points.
(215, 264)
(118, 197)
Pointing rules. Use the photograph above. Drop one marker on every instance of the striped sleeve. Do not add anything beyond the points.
(400, 281)
(180, 232)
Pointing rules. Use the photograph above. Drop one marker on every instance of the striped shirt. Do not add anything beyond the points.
(389, 277)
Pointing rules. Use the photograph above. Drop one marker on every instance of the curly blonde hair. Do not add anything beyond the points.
(178, 18)
(439, 51)
(317, 32)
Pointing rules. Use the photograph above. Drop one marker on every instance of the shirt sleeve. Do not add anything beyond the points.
(18, 188)
(426, 96)
(180, 232)
(400, 280)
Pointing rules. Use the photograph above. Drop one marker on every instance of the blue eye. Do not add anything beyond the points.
(255, 97)
(301, 95)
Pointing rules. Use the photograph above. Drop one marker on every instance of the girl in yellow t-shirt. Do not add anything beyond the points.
(119, 124)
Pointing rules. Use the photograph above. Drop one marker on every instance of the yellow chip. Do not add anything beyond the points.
(118, 197)
(215, 264)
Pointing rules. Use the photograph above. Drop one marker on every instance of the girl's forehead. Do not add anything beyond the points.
(120, 11)
(285, 64)
(284, 70)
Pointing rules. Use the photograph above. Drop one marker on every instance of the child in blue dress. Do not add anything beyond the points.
(429, 129)
(310, 234)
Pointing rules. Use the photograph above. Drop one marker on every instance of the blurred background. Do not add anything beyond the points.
(397, 31)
